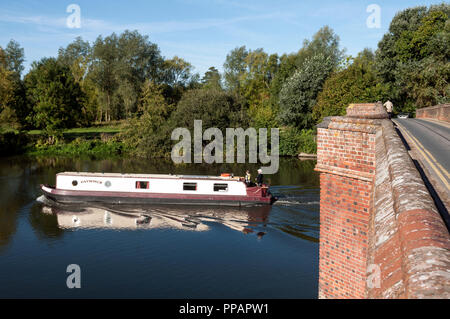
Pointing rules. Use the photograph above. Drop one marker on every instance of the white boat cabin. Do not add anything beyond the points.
(151, 183)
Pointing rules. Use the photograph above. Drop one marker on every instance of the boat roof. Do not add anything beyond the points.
(132, 175)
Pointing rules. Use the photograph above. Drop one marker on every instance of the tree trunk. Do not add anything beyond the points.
(108, 108)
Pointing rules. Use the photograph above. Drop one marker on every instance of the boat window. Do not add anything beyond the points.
(189, 186)
(74, 183)
(142, 185)
(220, 187)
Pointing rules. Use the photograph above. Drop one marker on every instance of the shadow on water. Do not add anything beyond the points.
(17, 189)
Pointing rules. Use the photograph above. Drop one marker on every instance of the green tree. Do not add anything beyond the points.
(175, 77)
(104, 73)
(427, 83)
(120, 66)
(78, 57)
(139, 59)
(91, 106)
(355, 84)
(324, 42)
(259, 72)
(255, 87)
(248, 75)
(176, 71)
(286, 68)
(423, 42)
(234, 68)
(55, 96)
(294, 141)
(212, 79)
(128, 95)
(262, 116)
(149, 135)
(8, 119)
(299, 93)
(415, 49)
(14, 59)
(153, 103)
(215, 108)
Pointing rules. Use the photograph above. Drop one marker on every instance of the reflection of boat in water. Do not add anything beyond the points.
(195, 218)
(114, 188)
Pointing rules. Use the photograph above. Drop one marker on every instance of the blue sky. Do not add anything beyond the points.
(201, 32)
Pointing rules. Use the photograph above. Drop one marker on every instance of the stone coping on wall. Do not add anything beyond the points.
(409, 241)
(434, 107)
(366, 110)
(408, 252)
(438, 112)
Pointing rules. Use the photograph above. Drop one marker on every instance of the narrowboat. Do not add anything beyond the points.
(117, 188)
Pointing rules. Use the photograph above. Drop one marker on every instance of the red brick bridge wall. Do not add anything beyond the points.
(381, 235)
(438, 112)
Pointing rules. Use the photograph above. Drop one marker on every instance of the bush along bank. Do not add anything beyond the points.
(292, 143)
(79, 147)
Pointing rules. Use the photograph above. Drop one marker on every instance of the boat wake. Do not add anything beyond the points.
(289, 195)
(293, 202)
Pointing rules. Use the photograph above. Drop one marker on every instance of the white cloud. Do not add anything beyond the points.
(101, 26)
(53, 32)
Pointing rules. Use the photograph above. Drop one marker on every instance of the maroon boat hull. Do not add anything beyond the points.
(254, 197)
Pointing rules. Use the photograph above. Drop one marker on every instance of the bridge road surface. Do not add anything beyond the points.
(429, 141)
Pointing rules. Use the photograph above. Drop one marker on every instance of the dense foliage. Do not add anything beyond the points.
(147, 135)
(12, 93)
(356, 83)
(55, 97)
(299, 93)
(124, 77)
(413, 57)
(215, 108)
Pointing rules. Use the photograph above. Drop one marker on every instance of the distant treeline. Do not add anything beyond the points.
(125, 77)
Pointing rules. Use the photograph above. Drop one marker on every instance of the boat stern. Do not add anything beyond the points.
(260, 194)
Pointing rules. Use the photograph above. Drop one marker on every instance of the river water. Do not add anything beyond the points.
(157, 251)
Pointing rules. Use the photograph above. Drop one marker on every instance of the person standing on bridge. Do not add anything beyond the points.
(389, 106)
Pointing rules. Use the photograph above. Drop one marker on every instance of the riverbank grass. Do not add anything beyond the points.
(79, 147)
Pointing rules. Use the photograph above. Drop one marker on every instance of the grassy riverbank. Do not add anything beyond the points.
(96, 141)
(79, 147)
(100, 142)
(104, 140)
(97, 129)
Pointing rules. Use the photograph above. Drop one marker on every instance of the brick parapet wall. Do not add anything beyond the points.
(346, 160)
(409, 241)
(438, 112)
(347, 147)
(380, 233)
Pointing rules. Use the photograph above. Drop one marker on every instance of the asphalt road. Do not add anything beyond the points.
(431, 142)
(434, 137)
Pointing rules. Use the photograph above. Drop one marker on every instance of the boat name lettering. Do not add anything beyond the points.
(91, 181)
